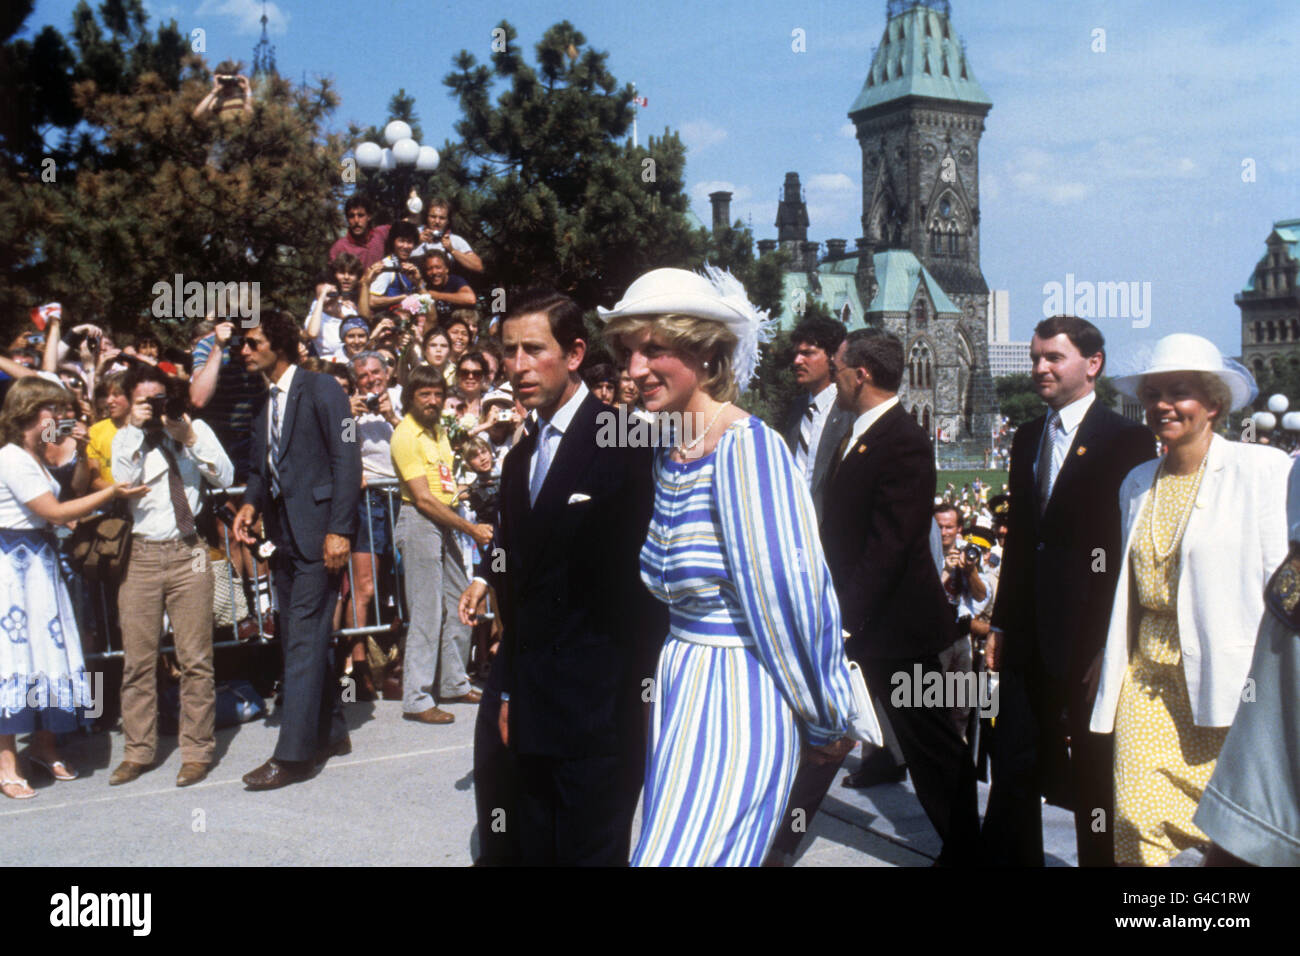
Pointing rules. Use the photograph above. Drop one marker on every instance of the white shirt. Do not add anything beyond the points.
(822, 402)
(376, 437)
(22, 479)
(866, 420)
(457, 243)
(1068, 427)
(559, 424)
(328, 344)
(155, 518)
(282, 401)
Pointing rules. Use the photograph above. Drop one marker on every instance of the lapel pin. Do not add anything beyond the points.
(1082, 449)
(861, 449)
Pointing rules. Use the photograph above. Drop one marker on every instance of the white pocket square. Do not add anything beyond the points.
(575, 499)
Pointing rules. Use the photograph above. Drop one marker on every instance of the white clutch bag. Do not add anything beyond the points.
(864, 725)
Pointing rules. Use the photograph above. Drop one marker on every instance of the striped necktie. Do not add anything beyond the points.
(275, 439)
(176, 487)
(805, 436)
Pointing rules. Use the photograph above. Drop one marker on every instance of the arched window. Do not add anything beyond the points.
(936, 243)
(952, 243)
(921, 312)
(1272, 332)
(1259, 366)
(1259, 331)
(929, 377)
(915, 417)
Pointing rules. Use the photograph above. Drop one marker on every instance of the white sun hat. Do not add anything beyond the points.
(1183, 352)
(716, 295)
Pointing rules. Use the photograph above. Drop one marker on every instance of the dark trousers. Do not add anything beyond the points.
(312, 715)
(575, 811)
(943, 775)
(1029, 758)
(495, 788)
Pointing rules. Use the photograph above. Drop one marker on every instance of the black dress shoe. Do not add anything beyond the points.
(278, 773)
(870, 776)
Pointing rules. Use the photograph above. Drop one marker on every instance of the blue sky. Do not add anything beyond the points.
(1124, 165)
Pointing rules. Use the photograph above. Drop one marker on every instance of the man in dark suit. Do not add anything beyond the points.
(876, 533)
(1053, 603)
(581, 631)
(816, 424)
(305, 482)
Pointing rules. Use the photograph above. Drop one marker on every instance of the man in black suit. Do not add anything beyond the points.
(876, 533)
(305, 482)
(816, 424)
(1050, 617)
(581, 632)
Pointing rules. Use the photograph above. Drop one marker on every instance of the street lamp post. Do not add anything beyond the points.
(400, 157)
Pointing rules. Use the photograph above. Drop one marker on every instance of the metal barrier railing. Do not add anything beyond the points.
(105, 602)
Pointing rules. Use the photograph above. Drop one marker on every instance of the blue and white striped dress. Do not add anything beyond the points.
(753, 654)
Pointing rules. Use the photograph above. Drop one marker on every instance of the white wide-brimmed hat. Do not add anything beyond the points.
(716, 295)
(1183, 352)
(499, 396)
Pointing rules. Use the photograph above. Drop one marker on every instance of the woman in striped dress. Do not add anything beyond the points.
(753, 667)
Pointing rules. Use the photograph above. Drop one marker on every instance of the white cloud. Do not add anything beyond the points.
(701, 134)
(247, 15)
(849, 131)
(832, 183)
(738, 193)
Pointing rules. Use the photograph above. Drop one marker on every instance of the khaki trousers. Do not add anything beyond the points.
(172, 575)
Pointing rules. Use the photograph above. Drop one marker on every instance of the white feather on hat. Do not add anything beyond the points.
(716, 295)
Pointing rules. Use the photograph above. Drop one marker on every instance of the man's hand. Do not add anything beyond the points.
(141, 412)
(244, 519)
(358, 405)
(482, 534)
(471, 602)
(337, 549)
(993, 651)
(386, 408)
(223, 332)
(831, 753)
(181, 431)
(503, 722)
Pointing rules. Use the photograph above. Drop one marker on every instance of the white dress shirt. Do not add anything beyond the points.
(866, 420)
(280, 404)
(822, 402)
(153, 514)
(1069, 418)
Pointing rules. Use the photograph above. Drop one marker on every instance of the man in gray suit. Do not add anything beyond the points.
(815, 426)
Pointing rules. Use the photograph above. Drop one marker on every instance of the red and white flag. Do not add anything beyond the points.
(640, 101)
(43, 313)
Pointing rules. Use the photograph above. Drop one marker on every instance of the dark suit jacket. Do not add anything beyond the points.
(838, 424)
(876, 534)
(1059, 571)
(320, 470)
(581, 631)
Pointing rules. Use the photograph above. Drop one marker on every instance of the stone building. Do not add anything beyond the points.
(916, 268)
(1270, 303)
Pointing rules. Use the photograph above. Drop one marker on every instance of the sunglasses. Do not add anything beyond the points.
(469, 373)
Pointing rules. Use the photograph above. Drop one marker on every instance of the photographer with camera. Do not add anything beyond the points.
(230, 96)
(500, 423)
(171, 455)
(226, 393)
(436, 236)
(376, 411)
(448, 291)
(394, 277)
(335, 302)
(967, 593)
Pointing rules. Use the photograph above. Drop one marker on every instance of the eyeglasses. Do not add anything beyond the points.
(469, 373)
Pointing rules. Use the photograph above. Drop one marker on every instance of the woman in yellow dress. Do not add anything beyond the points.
(1204, 526)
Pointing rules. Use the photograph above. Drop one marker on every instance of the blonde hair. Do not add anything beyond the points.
(25, 399)
(706, 341)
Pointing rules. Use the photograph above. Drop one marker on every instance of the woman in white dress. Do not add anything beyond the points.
(43, 681)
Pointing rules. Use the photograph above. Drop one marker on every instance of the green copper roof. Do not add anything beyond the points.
(1288, 230)
(898, 273)
(920, 54)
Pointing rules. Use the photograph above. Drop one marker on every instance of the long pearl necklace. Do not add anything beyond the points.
(1183, 520)
(688, 446)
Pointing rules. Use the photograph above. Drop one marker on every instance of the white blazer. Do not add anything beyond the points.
(1235, 538)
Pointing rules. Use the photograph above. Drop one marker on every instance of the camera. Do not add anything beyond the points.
(972, 553)
(332, 294)
(66, 427)
(437, 235)
(173, 406)
(391, 262)
(236, 344)
(372, 404)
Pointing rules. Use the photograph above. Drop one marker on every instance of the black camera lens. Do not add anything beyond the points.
(175, 407)
(236, 344)
(158, 407)
(972, 553)
(372, 403)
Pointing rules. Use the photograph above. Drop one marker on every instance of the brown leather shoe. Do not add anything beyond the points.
(277, 773)
(340, 749)
(126, 772)
(470, 697)
(434, 715)
(192, 773)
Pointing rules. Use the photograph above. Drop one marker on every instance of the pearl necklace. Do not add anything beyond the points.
(700, 437)
(1183, 520)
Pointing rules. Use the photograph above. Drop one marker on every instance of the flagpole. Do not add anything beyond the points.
(635, 109)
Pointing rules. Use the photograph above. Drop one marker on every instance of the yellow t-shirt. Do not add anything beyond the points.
(417, 451)
(99, 447)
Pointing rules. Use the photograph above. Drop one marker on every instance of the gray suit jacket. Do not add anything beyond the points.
(838, 425)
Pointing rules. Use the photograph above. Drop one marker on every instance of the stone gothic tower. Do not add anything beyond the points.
(919, 119)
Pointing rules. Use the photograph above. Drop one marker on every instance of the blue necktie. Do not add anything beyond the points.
(275, 439)
(543, 462)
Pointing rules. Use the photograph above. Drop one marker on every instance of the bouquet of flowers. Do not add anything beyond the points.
(417, 304)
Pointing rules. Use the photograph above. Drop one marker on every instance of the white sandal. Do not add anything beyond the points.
(17, 783)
